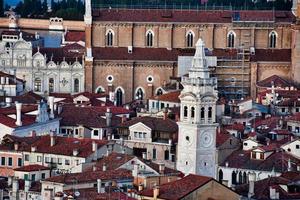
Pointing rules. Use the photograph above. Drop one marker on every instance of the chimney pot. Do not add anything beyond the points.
(155, 192)
(18, 113)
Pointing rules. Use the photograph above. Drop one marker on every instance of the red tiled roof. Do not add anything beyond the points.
(262, 187)
(194, 16)
(121, 53)
(28, 98)
(180, 188)
(92, 176)
(170, 97)
(295, 117)
(238, 127)
(110, 193)
(221, 138)
(277, 161)
(90, 116)
(10, 122)
(278, 55)
(12, 109)
(68, 53)
(276, 80)
(75, 36)
(156, 124)
(63, 145)
(32, 168)
(11, 77)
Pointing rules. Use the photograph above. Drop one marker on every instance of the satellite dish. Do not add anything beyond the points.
(77, 194)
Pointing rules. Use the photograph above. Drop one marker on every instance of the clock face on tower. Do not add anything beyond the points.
(206, 139)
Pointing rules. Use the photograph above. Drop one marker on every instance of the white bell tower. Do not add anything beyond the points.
(197, 125)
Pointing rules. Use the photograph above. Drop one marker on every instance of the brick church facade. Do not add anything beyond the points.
(133, 53)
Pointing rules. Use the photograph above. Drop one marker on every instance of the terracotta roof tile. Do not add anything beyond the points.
(276, 80)
(170, 97)
(194, 16)
(280, 55)
(92, 176)
(63, 145)
(75, 36)
(32, 168)
(156, 124)
(180, 188)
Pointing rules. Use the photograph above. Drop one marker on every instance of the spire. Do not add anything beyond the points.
(88, 12)
(199, 67)
(199, 60)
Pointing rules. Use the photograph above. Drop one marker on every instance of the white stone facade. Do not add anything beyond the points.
(197, 125)
(41, 73)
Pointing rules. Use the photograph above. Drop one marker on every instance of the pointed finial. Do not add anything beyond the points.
(21, 35)
(38, 48)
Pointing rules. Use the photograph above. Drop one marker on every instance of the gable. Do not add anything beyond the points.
(81, 98)
(139, 127)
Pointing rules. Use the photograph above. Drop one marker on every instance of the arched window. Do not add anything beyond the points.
(245, 179)
(119, 97)
(185, 111)
(109, 38)
(190, 39)
(149, 39)
(230, 39)
(51, 85)
(202, 114)
(139, 95)
(192, 112)
(76, 85)
(159, 92)
(233, 178)
(272, 39)
(210, 112)
(240, 178)
(220, 175)
(37, 85)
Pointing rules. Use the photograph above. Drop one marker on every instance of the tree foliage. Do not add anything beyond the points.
(67, 9)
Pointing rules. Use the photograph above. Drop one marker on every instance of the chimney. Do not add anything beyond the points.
(27, 185)
(104, 167)
(141, 187)
(177, 85)
(9, 180)
(51, 106)
(59, 109)
(108, 115)
(32, 133)
(15, 185)
(7, 80)
(75, 152)
(94, 168)
(94, 146)
(8, 101)
(289, 165)
(33, 149)
(273, 193)
(100, 189)
(165, 113)
(161, 168)
(252, 178)
(155, 192)
(144, 155)
(52, 139)
(124, 119)
(18, 114)
(16, 146)
(135, 170)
